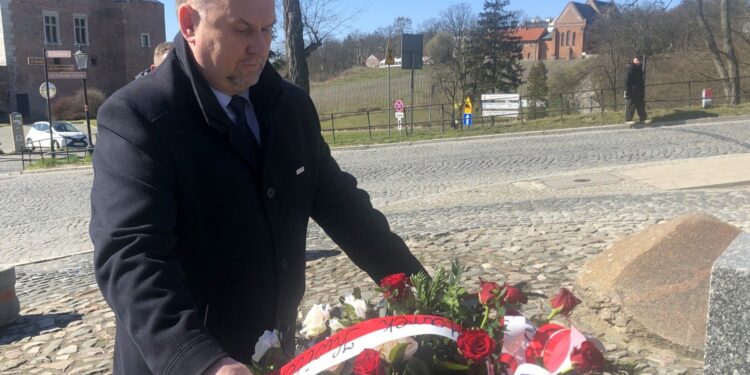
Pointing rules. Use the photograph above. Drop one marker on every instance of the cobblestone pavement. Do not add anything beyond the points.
(465, 199)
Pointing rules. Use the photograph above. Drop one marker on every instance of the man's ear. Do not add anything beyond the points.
(188, 19)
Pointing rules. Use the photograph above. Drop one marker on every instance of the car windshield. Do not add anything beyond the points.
(65, 127)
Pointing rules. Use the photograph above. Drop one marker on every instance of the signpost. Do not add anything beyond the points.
(708, 95)
(43, 90)
(504, 105)
(62, 68)
(59, 54)
(389, 60)
(67, 75)
(54, 71)
(399, 107)
(467, 111)
(411, 58)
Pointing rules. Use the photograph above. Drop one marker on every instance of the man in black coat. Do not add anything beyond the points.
(206, 174)
(635, 92)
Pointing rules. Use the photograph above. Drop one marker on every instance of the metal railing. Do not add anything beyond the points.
(446, 117)
(38, 153)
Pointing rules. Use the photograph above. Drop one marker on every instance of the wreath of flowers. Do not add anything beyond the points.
(492, 335)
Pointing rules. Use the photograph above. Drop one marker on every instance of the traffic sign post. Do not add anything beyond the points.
(708, 95)
(47, 87)
(400, 119)
(467, 119)
(59, 54)
(67, 75)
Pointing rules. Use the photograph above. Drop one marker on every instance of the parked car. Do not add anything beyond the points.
(64, 134)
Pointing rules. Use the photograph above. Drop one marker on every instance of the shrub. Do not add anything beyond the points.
(71, 107)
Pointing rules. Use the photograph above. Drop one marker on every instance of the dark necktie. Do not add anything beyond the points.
(237, 105)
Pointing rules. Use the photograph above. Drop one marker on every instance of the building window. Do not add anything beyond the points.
(81, 29)
(567, 38)
(145, 40)
(574, 38)
(51, 27)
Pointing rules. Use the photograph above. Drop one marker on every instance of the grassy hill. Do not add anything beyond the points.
(360, 89)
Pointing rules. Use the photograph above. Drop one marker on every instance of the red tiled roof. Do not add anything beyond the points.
(530, 34)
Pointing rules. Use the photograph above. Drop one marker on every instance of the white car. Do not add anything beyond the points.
(64, 134)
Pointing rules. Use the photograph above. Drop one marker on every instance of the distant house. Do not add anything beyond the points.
(534, 47)
(372, 62)
(567, 36)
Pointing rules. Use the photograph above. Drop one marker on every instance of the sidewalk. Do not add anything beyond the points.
(716, 171)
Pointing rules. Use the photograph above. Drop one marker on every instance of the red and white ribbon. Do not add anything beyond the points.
(351, 341)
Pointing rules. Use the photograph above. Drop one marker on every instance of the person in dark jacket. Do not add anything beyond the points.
(207, 172)
(160, 53)
(635, 92)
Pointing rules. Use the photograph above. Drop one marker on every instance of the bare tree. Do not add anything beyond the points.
(449, 52)
(729, 70)
(295, 44)
(323, 18)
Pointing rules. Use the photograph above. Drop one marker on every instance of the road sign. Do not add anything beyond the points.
(67, 75)
(61, 68)
(505, 105)
(59, 54)
(43, 90)
(399, 105)
(35, 60)
(708, 95)
(467, 106)
(467, 119)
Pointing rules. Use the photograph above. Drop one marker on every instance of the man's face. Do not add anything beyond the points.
(231, 42)
(636, 61)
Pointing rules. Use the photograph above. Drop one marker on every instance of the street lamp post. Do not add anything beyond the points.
(82, 62)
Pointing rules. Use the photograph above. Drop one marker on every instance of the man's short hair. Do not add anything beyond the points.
(162, 49)
(199, 4)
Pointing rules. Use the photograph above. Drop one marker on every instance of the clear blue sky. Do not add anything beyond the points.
(382, 12)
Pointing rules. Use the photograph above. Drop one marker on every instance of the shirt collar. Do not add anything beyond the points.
(224, 99)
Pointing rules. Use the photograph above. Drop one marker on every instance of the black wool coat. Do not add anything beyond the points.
(635, 87)
(200, 234)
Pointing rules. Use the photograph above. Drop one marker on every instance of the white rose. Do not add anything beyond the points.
(359, 305)
(335, 325)
(266, 341)
(411, 347)
(316, 321)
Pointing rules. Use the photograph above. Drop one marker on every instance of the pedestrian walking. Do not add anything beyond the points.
(635, 92)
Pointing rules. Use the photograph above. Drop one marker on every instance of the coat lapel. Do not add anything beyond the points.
(214, 115)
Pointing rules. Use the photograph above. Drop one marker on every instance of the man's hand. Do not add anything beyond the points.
(227, 366)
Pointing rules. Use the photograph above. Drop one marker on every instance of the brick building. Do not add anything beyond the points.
(119, 36)
(565, 38)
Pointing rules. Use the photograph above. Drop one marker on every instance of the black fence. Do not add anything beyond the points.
(381, 123)
(38, 154)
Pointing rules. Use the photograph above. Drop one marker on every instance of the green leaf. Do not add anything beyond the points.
(397, 353)
(416, 366)
(357, 293)
(450, 365)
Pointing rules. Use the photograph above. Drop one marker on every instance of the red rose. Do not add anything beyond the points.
(488, 291)
(368, 363)
(536, 346)
(507, 364)
(396, 286)
(587, 358)
(534, 351)
(475, 344)
(564, 302)
(514, 296)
